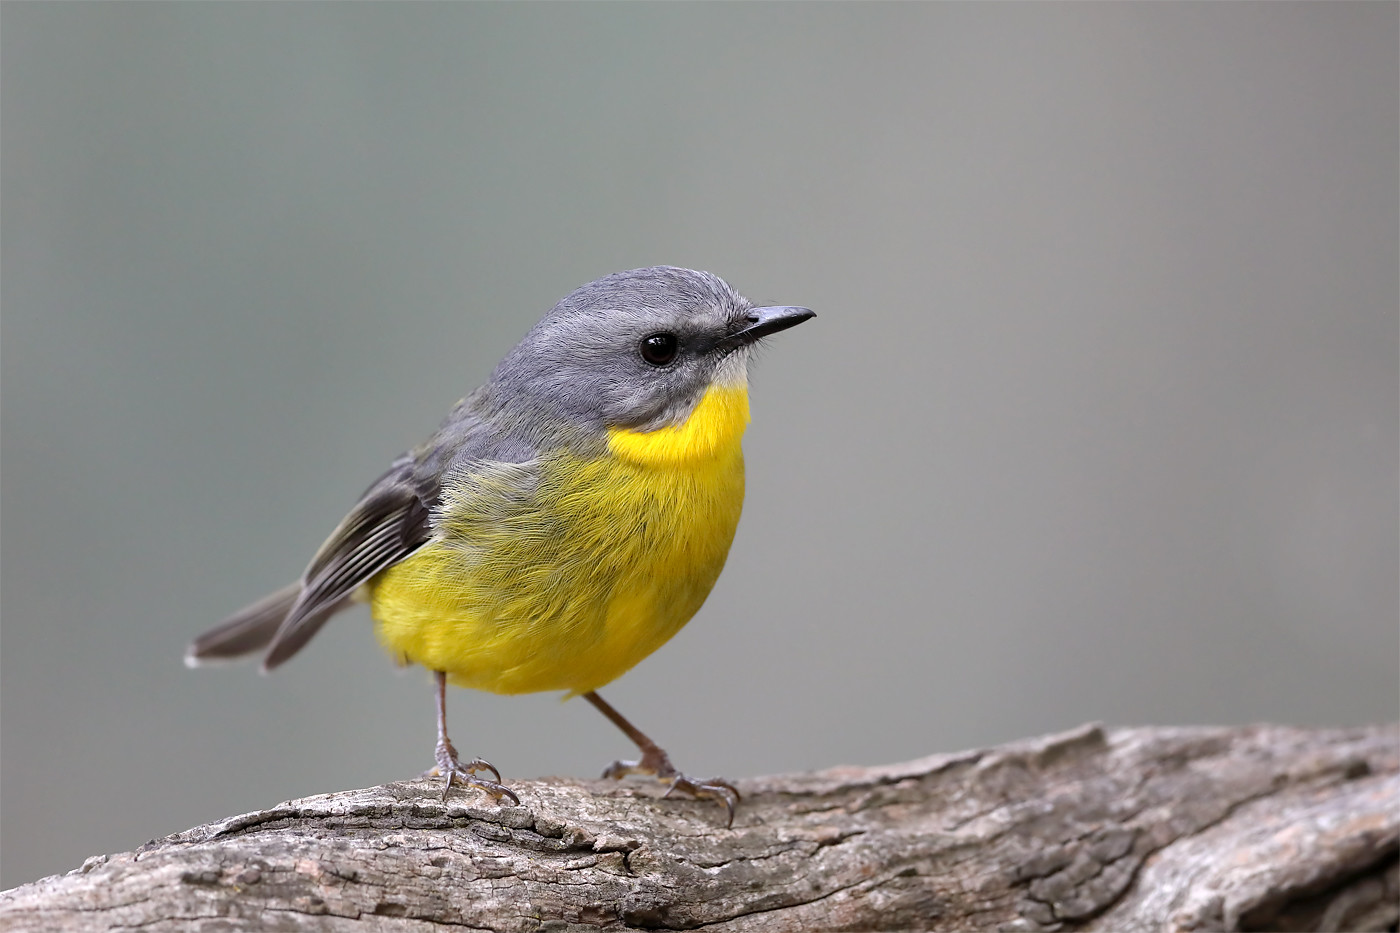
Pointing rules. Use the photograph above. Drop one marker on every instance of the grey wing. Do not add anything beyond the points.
(390, 522)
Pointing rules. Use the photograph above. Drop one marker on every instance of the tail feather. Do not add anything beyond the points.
(246, 631)
(286, 642)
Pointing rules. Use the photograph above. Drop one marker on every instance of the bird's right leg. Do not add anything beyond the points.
(656, 762)
(451, 766)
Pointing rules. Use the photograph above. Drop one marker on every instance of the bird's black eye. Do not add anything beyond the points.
(659, 349)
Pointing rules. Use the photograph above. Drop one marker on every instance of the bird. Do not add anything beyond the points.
(565, 520)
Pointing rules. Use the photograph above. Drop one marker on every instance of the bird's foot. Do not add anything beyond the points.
(449, 765)
(656, 762)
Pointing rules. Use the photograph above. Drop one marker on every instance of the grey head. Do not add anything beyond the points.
(634, 350)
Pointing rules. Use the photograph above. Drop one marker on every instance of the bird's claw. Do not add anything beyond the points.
(656, 763)
(452, 768)
(710, 789)
(497, 790)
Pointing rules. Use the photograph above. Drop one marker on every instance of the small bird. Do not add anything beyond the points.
(565, 520)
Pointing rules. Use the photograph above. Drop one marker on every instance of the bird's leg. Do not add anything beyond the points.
(655, 761)
(449, 765)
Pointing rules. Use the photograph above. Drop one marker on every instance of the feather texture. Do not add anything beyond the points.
(389, 523)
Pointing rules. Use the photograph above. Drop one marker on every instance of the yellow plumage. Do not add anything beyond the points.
(563, 573)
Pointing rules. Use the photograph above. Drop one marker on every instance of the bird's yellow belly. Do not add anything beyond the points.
(569, 587)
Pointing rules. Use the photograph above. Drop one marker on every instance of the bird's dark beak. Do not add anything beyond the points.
(765, 321)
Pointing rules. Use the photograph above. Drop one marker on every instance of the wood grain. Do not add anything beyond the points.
(1130, 829)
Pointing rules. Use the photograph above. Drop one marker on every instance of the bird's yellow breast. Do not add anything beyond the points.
(562, 573)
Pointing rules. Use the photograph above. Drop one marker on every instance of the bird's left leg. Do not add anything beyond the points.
(655, 761)
(449, 765)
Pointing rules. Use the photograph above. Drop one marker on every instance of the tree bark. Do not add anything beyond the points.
(1132, 829)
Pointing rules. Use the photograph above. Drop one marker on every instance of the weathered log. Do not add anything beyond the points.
(1132, 829)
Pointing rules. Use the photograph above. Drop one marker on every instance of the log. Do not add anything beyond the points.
(1258, 827)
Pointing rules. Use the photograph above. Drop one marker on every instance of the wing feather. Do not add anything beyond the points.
(390, 522)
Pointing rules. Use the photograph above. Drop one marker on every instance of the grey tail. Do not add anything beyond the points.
(246, 631)
(287, 640)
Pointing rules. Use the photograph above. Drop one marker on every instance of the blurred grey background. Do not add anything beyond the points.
(1098, 420)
